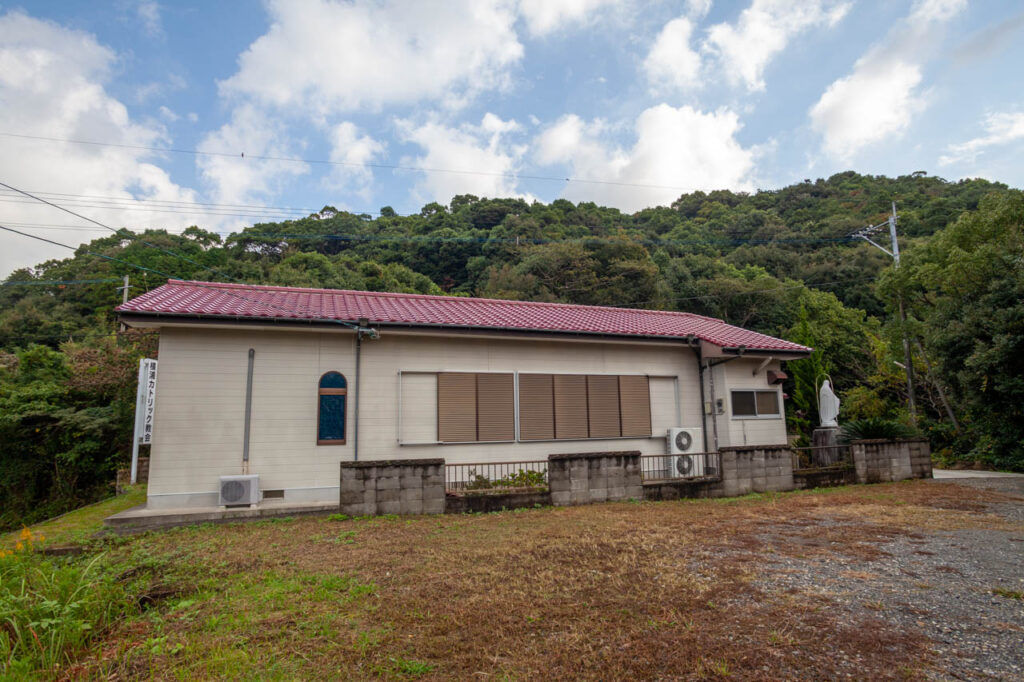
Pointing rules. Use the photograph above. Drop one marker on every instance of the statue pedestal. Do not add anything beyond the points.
(827, 439)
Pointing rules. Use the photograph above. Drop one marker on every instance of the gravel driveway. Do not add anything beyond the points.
(941, 583)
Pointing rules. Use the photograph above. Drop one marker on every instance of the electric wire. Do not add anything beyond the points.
(328, 162)
(205, 285)
(53, 283)
(118, 232)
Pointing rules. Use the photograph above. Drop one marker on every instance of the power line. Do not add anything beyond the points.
(531, 240)
(327, 162)
(56, 282)
(204, 285)
(118, 232)
(91, 253)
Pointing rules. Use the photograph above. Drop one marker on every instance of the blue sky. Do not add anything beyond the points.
(645, 100)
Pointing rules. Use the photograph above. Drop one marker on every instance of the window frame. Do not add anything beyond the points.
(320, 392)
(778, 402)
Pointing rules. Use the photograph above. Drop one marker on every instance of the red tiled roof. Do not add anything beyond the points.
(245, 301)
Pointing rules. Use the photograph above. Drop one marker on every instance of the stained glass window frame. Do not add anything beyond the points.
(323, 391)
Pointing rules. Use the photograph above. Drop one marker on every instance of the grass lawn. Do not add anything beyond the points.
(80, 525)
(614, 591)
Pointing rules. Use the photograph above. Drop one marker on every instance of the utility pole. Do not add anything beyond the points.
(124, 290)
(895, 254)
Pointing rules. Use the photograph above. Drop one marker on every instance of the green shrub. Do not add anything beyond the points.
(875, 427)
(51, 608)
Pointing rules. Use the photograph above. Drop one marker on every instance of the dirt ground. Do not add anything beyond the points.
(913, 580)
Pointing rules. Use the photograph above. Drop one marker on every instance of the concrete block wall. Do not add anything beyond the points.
(756, 469)
(584, 478)
(920, 457)
(877, 461)
(404, 486)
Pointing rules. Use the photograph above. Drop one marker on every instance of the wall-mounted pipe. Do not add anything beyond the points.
(703, 400)
(248, 412)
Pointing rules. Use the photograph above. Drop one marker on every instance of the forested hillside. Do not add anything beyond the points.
(780, 262)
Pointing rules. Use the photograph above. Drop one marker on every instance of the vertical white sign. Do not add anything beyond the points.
(145, 403)
(149, 402)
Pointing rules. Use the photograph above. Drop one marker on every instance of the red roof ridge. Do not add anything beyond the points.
(398, 294)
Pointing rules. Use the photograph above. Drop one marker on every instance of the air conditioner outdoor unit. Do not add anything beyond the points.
(239, 490)
(684, 444)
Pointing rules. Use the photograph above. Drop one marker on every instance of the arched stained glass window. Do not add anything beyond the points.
(332, 395)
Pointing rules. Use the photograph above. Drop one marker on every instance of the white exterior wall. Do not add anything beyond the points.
(739, 431)
(200, 403)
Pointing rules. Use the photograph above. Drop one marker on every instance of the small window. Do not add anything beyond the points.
(755, 404)
(332, 396)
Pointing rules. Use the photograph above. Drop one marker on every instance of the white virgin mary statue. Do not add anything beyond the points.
(828, 405)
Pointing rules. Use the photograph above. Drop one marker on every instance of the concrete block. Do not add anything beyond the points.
(369, 496)
(617, 493)
(598, 495)
(358, 509)
(434, 480)
(561, 498)
(389, 472)
(351, 497)
(432, 491)
(410, 482)
(352, 485)
(433, 506)
(388, 495)
(349, 474)
(411, 507)
(410, 494)
(634, 492)
(389, 507)
(579, 484)
(579, 496)
(388, 482)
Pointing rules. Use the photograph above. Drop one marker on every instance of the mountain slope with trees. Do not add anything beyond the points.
(780, 262)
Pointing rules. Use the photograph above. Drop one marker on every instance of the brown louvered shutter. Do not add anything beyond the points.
(603, 406)
(495, 399)
(635, 405)
(536, 407)
(456, 407)
(570, 405)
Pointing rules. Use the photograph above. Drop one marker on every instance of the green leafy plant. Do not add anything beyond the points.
(51, 609)
(875, 428)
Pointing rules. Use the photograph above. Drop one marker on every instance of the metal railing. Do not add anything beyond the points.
(676, 467)
(822, 457)
(496, 476)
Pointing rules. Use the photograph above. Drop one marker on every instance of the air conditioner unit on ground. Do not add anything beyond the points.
(685, 445)
(239, 491)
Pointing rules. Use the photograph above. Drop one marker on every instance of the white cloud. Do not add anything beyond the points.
(881, 96)
(546, 16)
(352, 149)
(1002, 128)
(235, 179)
(677, 150)
(672, 65)
(52, 83)
(483, 152)
(698, 8)
(149, 14)
(168, 114)
(321, 56)
(762, 31)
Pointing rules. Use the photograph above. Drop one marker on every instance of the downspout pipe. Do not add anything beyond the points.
(248, 412)
(363, 329)
(703, 400)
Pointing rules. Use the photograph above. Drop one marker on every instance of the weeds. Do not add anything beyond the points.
(50, 609)
(1009, 594)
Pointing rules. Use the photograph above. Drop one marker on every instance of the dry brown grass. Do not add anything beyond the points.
(614, 591)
